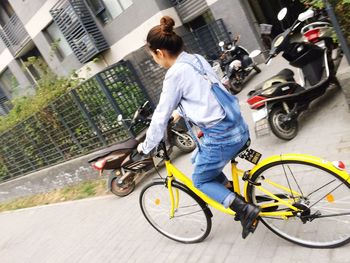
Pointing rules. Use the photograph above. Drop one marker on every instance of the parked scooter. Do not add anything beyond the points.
(319, 30)
(235, 65)
(280, 100)
(116, 158)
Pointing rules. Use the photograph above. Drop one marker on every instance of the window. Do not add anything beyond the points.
(5, 104)
(34, 65)
(58, 41)
(107, 10)
(6, 12)
(8, 82)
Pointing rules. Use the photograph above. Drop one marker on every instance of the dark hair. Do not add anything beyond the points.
(164, 37)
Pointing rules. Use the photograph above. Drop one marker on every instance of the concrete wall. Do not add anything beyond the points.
(235, 17)
(8, 61)
(343, 76)
(24, 86)
(130, 19)
(25, 9)
(62, 66)
(2, 46)
(48, 179)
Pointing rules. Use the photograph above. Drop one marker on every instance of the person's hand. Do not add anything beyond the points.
(175, 115)
(140, 148)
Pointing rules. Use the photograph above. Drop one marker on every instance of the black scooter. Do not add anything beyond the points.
(117, 158)
(280, 100)
(235, 64)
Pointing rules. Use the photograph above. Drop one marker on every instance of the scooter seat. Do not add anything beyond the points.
(286, 74)
(126, 145)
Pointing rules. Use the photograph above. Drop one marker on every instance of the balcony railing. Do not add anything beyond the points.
(189, 9)
(14, 35)
(76, 23)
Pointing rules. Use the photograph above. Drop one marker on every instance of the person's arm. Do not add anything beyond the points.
(168, 102)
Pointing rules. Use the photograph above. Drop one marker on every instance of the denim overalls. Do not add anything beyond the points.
(219, 145)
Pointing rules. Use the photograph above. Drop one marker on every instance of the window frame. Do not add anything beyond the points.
(57, 51)
(103, 14)
(8, 91)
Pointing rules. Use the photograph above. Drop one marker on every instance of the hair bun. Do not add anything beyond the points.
(167, 24)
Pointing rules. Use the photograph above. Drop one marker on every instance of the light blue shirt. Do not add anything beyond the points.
(184, 85)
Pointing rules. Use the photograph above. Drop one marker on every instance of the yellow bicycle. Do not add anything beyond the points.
(303, 199)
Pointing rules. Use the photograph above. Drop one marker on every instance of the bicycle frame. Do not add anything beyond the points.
(172, 172)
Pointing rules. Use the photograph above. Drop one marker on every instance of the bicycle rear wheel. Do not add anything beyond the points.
(192, 220)
(322, 196)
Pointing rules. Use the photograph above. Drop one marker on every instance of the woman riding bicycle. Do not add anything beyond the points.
(187, 88)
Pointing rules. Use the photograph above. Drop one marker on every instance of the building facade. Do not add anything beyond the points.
(89, 35)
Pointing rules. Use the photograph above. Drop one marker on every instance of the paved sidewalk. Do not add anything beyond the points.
(112, 229)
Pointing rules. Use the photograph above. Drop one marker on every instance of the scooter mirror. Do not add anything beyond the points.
(119, 119)
(282, 14)
(306, 15)
(255, 53)
(221, 43)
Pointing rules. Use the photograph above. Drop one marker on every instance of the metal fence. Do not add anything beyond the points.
(76, 123)
(205, 40)
(151, 74)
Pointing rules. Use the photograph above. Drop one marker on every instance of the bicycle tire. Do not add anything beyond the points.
(298, 229)
(162, 195)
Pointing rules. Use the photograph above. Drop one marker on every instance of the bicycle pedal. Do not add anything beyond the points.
(254, 226)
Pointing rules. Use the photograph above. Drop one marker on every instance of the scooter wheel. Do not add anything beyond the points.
(285, 130)
(257, 69)
(122, 190)
(235, 88)
(185, 143)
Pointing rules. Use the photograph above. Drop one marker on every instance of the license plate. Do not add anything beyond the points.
(260, 114)
(262, 128)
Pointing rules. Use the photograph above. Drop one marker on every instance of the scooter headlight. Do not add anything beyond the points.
(278, 41)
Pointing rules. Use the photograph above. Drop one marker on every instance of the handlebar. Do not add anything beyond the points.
(269, 58)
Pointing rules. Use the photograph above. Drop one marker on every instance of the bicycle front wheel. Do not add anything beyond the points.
(322, 197)
(192, 219)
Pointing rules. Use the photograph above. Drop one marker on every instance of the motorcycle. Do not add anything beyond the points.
(235, 65)
(116, 158)
(280, 100)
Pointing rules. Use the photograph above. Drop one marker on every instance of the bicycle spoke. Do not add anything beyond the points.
(182, 215)
(295, 181)
(320, 188)
(326, 195)
(290, 188)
